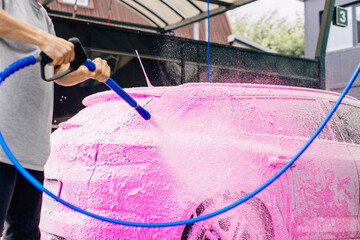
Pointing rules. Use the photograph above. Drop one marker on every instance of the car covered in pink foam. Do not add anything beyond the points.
(205, 147)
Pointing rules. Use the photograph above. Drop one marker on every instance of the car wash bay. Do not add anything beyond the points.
(170, 60)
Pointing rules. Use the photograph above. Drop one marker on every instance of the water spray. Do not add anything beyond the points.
(142, 66)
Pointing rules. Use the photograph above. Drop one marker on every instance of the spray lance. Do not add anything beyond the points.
(82, 59)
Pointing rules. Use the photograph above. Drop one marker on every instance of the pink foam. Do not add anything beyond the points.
(204, 141)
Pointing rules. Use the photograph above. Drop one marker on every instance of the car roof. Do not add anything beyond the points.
(232, 89)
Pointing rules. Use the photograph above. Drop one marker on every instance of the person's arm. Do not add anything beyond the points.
(58, 49)
(102, 73)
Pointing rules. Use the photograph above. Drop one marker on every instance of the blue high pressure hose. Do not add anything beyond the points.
(208, 41)
(32, 60)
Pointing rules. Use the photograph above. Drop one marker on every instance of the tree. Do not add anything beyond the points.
(274, 32)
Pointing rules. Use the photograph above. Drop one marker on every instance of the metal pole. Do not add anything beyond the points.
(323, 39)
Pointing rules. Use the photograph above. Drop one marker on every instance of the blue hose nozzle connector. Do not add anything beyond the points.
(116, 88)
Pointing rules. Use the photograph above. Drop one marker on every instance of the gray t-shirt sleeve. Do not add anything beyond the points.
(50, 24)
(51, 28)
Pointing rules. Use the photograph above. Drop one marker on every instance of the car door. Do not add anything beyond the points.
(347, 122)
(322, 185)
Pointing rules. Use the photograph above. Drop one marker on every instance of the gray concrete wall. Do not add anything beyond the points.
(340, 64)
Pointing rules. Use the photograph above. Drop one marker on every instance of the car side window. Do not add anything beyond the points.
(349, 122)
(292, 117)
(332, 122)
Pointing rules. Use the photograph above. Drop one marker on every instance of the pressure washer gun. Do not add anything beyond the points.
(82, 59)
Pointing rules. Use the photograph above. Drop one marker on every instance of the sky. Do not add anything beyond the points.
(286, 8)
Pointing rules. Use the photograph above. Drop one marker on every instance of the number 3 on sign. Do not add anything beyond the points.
(340, 17)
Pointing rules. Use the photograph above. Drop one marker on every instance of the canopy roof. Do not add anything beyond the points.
(167, 15)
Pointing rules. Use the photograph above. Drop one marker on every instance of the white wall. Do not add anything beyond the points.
(342, 56)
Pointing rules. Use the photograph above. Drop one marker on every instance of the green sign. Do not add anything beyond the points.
(340, 17)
